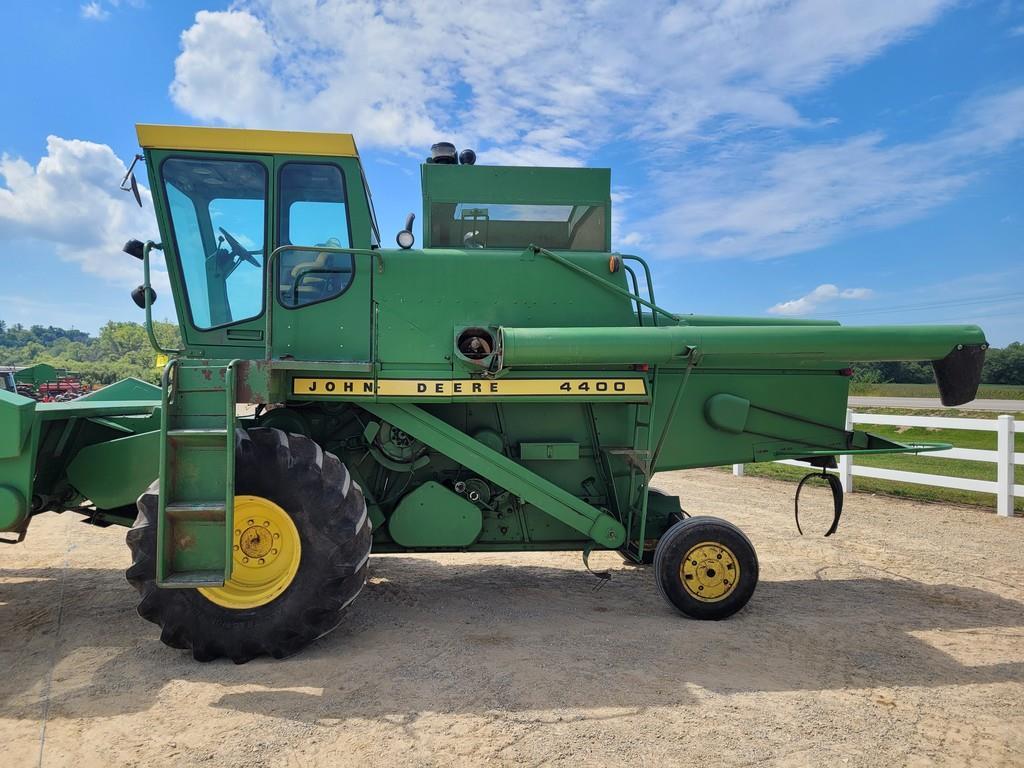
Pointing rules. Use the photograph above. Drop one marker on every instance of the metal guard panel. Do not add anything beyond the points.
(76, 409)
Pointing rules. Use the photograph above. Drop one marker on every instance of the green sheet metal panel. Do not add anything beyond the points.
(422, 296)
(115, 473)
(124, 390)
(19, 436)
(433, 516)
(39, 373)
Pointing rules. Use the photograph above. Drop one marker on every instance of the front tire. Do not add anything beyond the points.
(304, 493)
(706, 568)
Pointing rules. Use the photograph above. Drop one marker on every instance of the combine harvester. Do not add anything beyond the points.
(507, 387)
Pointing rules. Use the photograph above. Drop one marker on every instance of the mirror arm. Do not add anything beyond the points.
(147, 291)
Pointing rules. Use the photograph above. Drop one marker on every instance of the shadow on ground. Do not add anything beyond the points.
(478, 638)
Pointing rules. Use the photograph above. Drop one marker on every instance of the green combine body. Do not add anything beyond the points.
(508, 386)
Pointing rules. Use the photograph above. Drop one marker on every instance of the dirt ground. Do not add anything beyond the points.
(898, 642)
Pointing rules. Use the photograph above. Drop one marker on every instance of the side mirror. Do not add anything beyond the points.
(128, 183)
(406, 238)
(139, 297)
(134, 248)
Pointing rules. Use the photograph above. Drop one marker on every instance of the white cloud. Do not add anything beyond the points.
(94, 11)
(823, 294)
(547, 82)
(719, 76)
(70, 199)
(745, 202)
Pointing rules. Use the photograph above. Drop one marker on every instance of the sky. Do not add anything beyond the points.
(860, 160)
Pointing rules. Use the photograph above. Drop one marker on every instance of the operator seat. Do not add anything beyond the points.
(315, 285)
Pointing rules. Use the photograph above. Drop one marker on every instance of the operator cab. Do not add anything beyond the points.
(230, 203)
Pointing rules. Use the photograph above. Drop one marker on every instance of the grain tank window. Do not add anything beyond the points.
(504, 225)
(313, 211)
(218, 217)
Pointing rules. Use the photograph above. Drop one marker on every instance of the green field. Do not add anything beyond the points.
(985, 391)
(922, 463)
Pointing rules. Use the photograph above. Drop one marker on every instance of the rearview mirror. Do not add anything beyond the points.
(128, 183)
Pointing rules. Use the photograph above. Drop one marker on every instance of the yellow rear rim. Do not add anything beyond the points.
(266, 554)
(709, 572)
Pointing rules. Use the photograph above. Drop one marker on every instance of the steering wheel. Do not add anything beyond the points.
(237, 249)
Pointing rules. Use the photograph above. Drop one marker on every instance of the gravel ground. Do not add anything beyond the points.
(898, 642)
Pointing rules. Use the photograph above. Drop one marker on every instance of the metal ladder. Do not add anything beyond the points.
(639, 459)
(197, 473)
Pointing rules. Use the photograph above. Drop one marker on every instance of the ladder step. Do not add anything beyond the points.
(202, 436)
(195, 579)
(197, 510)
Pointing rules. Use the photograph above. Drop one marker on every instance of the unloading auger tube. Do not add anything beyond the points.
(957, 352)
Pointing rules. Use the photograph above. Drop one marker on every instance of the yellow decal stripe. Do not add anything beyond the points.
(423, 388)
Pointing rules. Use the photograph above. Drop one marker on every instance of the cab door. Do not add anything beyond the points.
(321, 299)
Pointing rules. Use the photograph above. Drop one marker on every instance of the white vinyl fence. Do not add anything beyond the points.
(1004, 457)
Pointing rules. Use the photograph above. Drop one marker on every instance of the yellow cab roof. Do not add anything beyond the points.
(203, 139)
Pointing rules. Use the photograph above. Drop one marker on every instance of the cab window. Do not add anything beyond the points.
(218, 217)
(517, 225)
(313, 212)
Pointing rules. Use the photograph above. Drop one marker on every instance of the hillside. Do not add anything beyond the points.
(120, 349)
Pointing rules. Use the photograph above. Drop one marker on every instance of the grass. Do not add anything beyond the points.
(922, 463)
(986, 391)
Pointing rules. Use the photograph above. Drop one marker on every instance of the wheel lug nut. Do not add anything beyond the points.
(236, 547)
(245, 559)
(262, 561)
(273, 551)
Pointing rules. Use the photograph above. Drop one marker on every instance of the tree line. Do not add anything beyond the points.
(1002, 366)
(119, 350)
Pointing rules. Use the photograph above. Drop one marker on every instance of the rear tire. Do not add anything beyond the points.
(319, 496)
(706, 568)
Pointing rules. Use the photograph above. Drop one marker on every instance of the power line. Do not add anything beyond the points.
(1012, 297)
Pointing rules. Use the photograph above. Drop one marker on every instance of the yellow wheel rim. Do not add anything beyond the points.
(709, 572)
(266, 554)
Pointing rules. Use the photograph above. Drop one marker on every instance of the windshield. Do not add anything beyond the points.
(217, 210)
(508, 225)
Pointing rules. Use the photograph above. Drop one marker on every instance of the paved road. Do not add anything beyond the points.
(1002, 406)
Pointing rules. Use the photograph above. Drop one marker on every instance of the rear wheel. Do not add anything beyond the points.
(301, 543)
(706, 568)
